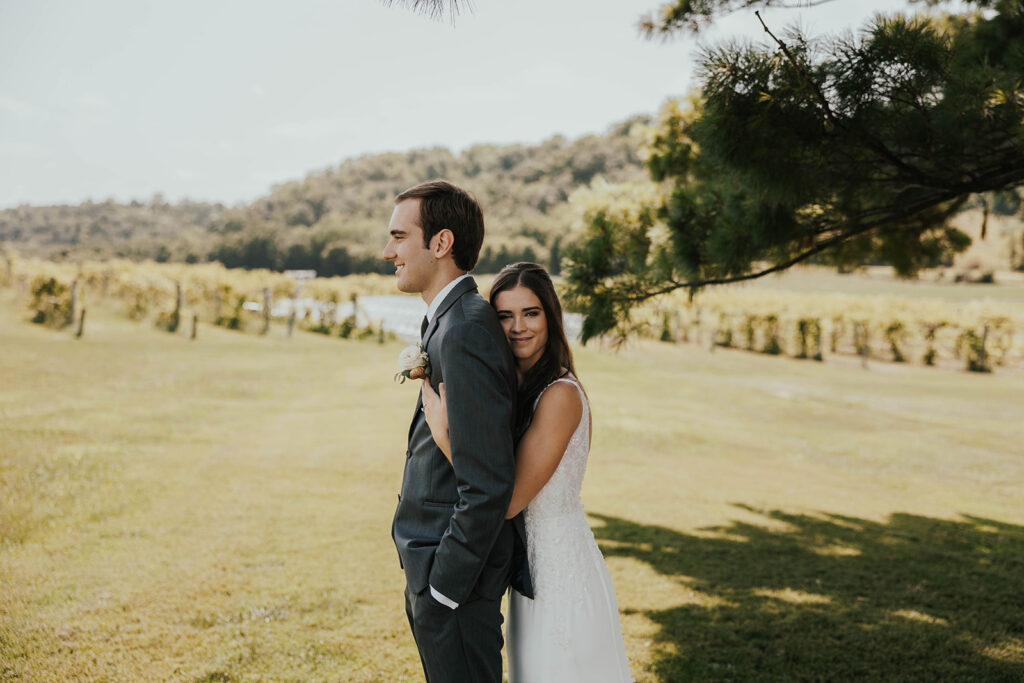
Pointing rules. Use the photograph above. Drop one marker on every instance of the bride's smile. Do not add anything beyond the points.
(522, 317)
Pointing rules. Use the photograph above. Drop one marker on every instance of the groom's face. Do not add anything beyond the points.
(415, 265)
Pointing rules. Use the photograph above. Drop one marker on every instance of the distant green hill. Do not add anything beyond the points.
(333, 220)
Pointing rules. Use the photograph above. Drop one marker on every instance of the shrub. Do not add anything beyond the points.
(51, 302)
(771, 336)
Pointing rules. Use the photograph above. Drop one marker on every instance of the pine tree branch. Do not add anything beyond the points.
(804, 5)
(829, 114)
(694, 14)
(821, 246)
(435, 9)
(872, 143)
(842, 236)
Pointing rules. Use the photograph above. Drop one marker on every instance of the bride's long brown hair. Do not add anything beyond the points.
(556, 360)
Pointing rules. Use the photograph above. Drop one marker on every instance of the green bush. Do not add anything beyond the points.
(51, 302)
(972, 346)
(771, 336)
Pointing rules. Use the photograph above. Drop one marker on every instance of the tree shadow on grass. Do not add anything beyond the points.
(829, 597)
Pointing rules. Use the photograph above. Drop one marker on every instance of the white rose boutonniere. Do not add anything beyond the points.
(414, 362)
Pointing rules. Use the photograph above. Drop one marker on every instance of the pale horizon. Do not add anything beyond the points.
(217, 102)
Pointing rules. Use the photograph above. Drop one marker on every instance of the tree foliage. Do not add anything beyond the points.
(848, 149)
(695, 15)
(333, 220)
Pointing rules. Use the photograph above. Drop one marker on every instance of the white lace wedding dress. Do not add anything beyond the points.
(570, 631)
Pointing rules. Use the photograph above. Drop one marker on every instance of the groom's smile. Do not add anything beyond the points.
(415, 266)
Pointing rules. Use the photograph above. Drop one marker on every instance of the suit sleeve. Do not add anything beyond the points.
(480, 415)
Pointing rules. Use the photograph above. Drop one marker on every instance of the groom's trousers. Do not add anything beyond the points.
(461, 645)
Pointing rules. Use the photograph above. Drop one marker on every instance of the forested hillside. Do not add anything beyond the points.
(333, 220)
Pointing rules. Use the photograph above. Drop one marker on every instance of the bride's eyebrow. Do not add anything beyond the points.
(502, 311)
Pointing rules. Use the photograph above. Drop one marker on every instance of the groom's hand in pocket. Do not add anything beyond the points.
(440, 599)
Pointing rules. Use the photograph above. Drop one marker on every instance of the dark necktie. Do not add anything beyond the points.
(423, 327)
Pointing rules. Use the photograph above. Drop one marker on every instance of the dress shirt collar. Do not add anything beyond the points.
(436, 303)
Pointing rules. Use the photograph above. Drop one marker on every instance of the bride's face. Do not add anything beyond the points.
(522, 317)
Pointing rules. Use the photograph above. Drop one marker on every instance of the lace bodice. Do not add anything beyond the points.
(561, 495)
(570, 631)
(560, 544)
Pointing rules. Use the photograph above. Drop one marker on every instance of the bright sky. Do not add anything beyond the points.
(217, 100)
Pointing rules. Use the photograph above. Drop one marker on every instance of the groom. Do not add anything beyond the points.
(458, 551)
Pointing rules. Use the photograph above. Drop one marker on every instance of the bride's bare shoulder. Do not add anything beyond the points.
(560, 401)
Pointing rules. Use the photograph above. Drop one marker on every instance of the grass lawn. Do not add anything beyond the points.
(219, 510)
(880, 281)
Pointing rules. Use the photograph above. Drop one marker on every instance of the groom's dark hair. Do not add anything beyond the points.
(444, 205)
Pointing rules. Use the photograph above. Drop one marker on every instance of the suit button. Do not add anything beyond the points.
(408, 454)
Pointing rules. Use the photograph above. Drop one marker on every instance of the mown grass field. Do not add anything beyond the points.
(880, 281)
(219, 510)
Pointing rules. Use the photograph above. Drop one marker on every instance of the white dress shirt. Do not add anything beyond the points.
(436, 302)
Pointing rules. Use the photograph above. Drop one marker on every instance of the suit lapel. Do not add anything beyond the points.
(466, 285)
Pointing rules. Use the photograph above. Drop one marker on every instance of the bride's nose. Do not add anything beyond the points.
(517, 323)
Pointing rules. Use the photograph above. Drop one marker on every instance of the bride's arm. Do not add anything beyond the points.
(541, 448)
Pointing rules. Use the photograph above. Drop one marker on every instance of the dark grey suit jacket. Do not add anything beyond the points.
(450, 527)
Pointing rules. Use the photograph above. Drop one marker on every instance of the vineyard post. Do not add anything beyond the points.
(195, 324)
(666, 327)
(176, 318)
(294, 313)
(332, 312)
(771, 334)
(816, 338)
(723, 333)
(982, 352)
(836, 333)
(803, 327)
(354, 298)
(81, 324)
(217, 303)
(74, 302)
(266, 309)
(860, 335)
(929, 337)
(749, 331)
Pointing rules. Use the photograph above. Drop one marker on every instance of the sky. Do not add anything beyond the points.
(217, 100)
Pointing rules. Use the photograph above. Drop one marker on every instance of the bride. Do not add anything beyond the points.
(570, 631)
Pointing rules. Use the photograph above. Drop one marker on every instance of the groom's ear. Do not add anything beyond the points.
(442, 243)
